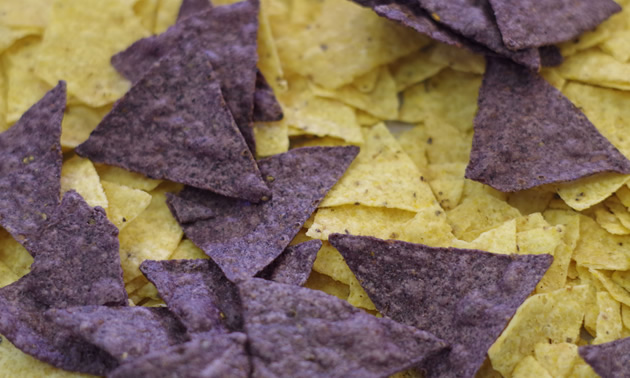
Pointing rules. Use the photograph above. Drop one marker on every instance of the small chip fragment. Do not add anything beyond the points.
(473, 293)
(528, 134)
(609, 360)
(243, 238)
(294, 265)
(294, 331)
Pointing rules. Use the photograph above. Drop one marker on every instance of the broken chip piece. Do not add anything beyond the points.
(609, 360)
(173, 124)
(472, 293)
(294, 265)
(528, 134)
(228, 36)
(296, 332)
(30, 166)
(243, 238)
(76, 263)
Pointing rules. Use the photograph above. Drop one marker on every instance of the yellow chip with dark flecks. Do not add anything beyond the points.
(501, 239)
(268, 60)
(271, 138)
(529, 367)
(146, 11)
(413, 143)
(558, 359)
(446, 143)
(415, 68)
(608, 220)
(588, 191)
(595, 67)
(457, 58)
(25, 13)
(599, 249)
(609, 323)
(617, 292)
(475, 215)
(124, 203)
(80, 175)
(78, 122)
(126, 178)
(530, 201)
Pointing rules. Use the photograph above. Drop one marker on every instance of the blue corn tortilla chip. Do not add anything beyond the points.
(609, 360)
(535, 23)
(474, 20)
(210, 356)
(528, 134)
(76, 263)
(294, 265)
(30, 166)
(228, 35)
(298, 332)
(243, 238)
(198, 293)
(191, 7)
(465, 297)
(124, 333)
(266, 106)
(550, 56)
(173, 124)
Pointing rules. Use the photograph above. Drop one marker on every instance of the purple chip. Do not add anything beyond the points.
(528, 134)
(535, 23)
(243, 238)
(191, 7)
(198, 293)
(465, 297)
(298, 332)
(30, 167)
(294, 265)
(208, 356)
(609, 360)
(173, 124)
(76, 263)
(266, 105)
(227, 35)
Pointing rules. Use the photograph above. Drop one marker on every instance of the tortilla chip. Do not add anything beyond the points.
(14, 255)
(280, 320)
(556, 276)
(534, 24)
(89, 74)
(554, 317)
(271, 138)
(294, 265)
(198, 293)
(588, 191)
(501, 239)
(598, 249)
(216, 356)
(475, 292)
(268, 60)
(124, 203)
(382, 176)
(614, 205)
(146, 11)
(609, 324)
(260, 232)
(78, 122)
(608, 220)
(558, 359)
(78, 174)
(528, 367)
(217, 31)
(411, 142)
(190, 7)
(616, 291)
(166, 14)
(209, 153)
(31, 167)
(6, 275)
(266, 106)
(595, 67)
(530, 201)
(27, 13)
(610, 359)
(458, 59)
(122, 177)
(448, 97)
(321, 282)
(415, 68)
(506, 160)
(553, 77)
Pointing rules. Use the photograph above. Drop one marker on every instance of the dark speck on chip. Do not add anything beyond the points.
(173, 124)
(465, 297)
(76, 263)
(298, 332)
(609, 360)
(30, 166)
(294, 265)
(243, 238)
(528, 134)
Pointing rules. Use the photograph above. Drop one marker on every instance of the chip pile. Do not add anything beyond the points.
(314, 188)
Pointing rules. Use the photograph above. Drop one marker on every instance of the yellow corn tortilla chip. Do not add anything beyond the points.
(544, 240)
(558, 359)
(588, 191)
(367, 81)
(330, 262)
(428, 227)
(271, 138)
(345, 41)
(625, 315)
(591, 310)
(381, 102)
(146, 11)
(622, 278)
(382, 175)
(7, 276)
(268, 59)
(126, 178)
(124, 203)
(623, 194)
(531, 222)
(310, 142)
(553, 77)
(8, 35)
(148, 291)
(415, 68)
(3, 100)
(616, 291)
(71, 49)
(595, 67)
(554, 317)
(322, 282)
(366, 119)
(501, 239)
(448, 97)
(585, 41)
(618, 45)
(608, 220)
(614, 205)
(528, 367)
(609, 320)
(154, 235)
(457, 58)
(135, 284)
(413, 142)
(79, 174)
(530, 201)
(475, 215)
(25, 13)
(598, 249)
(556, 276)
(78, 122)
(447, 144)
(14, 255)
(166, 14)
(447, 181)
(187, 250)
(583, 370)
(486, 371)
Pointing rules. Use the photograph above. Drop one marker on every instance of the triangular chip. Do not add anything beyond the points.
(528, 134)
(609, 360)
(294, 265)
(535, 23)
(228, 36)
(299, 332)
(124, 333)
(212, 356)
(243, 238)
(472, 293)
(173, 124)
(266, 106)
(190, 7)
(76, 263)
(30, 166)
(198, 293)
